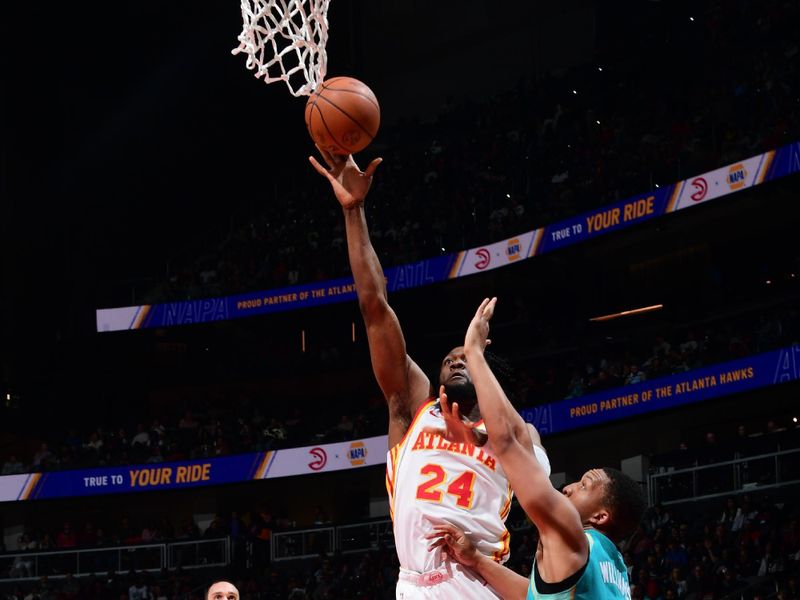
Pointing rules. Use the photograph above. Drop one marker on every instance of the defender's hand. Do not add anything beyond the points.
(454, 543)
(456, 427)
(349, 183)
(477, 337)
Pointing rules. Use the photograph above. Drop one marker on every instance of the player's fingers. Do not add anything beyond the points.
(327, 156)
(320, 169)
(481, 308)
(444, 403)
(437, 544)
(461, 420)
(338, 161)
(488, 310)
(351, 161)
(444, 529)
(370, 170)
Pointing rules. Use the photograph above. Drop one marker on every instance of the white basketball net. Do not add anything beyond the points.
(285, 41)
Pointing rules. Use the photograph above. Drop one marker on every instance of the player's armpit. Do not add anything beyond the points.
(536, 439)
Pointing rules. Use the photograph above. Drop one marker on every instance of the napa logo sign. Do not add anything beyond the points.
(357, 454)
(514, 250)
(737, 176)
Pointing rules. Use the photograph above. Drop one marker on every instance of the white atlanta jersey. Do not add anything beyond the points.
(431, 480)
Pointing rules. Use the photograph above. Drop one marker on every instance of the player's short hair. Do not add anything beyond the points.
(215, 582)
(626, 503)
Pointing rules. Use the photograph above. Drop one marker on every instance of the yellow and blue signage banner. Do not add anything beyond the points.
(193, 473)
(760, 370)
(625, 213)
(723, 379)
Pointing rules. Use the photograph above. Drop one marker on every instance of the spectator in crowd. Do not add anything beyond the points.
(139, 590)
(42, 457)
(23, 565)
(70, 588)
(66, 538)
(142, 437)
(732, 515)
(12, 466)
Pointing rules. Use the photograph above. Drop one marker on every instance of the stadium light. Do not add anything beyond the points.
(627, 313)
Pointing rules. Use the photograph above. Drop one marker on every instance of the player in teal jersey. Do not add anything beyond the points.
(577, 558)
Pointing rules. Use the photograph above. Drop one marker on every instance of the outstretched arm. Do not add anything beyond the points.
(556, 518)
(403, 383)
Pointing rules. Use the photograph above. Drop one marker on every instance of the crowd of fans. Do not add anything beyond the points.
(743, 547)
(194, 435)
(253, 527)
(740, 547)
(551, 148)
(742, 543)
(633, 359)
(211, 425)
(746, 440)
(367, 576)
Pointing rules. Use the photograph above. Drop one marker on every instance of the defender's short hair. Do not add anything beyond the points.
(625, 500)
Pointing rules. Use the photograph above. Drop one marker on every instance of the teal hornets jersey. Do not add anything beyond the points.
(604, 577)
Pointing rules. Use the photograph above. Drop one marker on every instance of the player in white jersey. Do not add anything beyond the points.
(429, 480)
(576, 557)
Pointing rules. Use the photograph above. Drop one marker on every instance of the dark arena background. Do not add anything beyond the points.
(186, 385)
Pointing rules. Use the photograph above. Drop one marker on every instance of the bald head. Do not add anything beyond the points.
(222, 590)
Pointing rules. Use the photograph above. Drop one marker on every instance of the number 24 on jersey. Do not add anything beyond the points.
(459, 486)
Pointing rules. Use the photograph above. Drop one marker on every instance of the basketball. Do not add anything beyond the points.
(342, 115)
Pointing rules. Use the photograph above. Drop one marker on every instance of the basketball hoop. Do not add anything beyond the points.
(285, 41)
